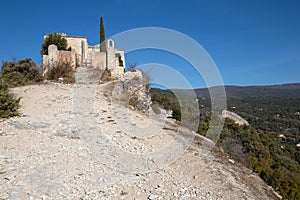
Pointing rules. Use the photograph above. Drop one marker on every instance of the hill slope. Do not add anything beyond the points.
(273, 115)
(62, 148)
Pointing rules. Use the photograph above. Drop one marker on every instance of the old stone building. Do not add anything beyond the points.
(81, 54)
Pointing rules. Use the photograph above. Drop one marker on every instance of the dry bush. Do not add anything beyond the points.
(133, 101)
(64, 69)
(106, 76)
(133, 90)
(132, 67)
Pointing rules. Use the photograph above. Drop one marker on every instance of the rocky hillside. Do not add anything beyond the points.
(75, 142)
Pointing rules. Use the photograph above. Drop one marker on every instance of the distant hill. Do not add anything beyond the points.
(268, 144)
(284, 90)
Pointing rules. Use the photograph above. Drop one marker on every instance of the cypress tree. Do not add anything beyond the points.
(102, 36)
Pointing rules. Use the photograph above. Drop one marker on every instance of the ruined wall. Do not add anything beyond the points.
(112, 59)
(51, 59)
(55, 57)
(98, 59)
(87, 56)
(121, 53)
(133, 89)
(67, 58)
(80, 45)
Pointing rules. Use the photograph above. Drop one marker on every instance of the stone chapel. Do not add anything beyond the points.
(81, 54)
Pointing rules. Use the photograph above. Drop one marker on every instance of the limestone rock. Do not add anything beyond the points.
(133, 88)
(235, 117)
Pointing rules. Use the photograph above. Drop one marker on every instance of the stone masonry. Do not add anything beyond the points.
(83, 55)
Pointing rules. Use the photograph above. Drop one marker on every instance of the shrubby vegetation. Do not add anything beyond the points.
(262, 153)
(15, 73)
(64, 70)
(168, 101)
(54, 38)
(274, 115)
(165, 98)
(275, 160)
(8, 104)
(21, 72)
(64, 67)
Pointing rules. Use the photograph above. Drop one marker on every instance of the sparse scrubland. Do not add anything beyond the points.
(258, 147)
(25, 72)
(63, 70)
(53, 149)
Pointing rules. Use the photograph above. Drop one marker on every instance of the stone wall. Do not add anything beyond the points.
(133, 88)
(80, 45)
(51, 59)
(112, 59)
(55, 57)
(67, 57)
(122, 56)
(98, 59)
(87, 56)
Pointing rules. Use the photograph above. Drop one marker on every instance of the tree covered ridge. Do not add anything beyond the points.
(263, 154)
(274, 115)
(257, 146)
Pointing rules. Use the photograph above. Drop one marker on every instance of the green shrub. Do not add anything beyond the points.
(22, 72)
(165, 98)
(264, 155)
(54, 38)
(176, 114)
(8, 104)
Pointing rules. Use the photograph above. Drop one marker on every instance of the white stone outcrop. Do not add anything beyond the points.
(134, 88)
(235, 117)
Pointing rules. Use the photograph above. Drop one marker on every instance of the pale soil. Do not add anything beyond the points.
(71, 142)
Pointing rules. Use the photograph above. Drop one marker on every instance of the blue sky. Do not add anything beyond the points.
(251, 42)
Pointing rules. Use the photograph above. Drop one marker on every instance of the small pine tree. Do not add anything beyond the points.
(8, 103)
(102, 36)
(54, 38)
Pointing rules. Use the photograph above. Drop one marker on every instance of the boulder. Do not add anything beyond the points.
(133, 88)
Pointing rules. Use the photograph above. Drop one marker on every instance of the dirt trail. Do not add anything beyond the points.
(72, 142)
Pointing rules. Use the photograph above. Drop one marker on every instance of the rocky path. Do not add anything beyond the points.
(73, 142)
